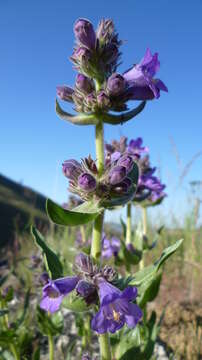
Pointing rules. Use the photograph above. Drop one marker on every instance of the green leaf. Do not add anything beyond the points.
(123, 224)
(36, 354)
(53, 264)
(150, 271)
(64, 217)
(74, 302)
(129, 339)
(81, 119)
(149, 290)
(49, 324)
(124, 117)
(89, 207)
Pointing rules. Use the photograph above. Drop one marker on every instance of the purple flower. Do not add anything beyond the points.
(110, 247)
(116, 84)
(116, 308)
(117, 174)
(127, 162)
(141, 84)
(71, 168)
(84, 84)
(54, 292)
(84, 33)
(65, 93)
(135, 147)
(87, 182)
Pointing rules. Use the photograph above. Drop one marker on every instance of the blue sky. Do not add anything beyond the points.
(36, 42)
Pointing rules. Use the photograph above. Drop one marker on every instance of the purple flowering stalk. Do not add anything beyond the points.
(99, 89)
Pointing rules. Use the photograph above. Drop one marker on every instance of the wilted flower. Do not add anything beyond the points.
(141, 84)
(116, 308)
(54, 292)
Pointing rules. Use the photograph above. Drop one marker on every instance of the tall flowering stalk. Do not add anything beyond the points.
(100, 95)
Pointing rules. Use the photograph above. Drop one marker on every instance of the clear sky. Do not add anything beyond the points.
(36, 42)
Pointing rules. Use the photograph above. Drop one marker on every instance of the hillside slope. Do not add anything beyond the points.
(19, 207)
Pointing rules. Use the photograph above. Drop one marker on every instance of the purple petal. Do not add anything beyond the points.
(51, 304)
(130, 293)
(99, 323)
(66, 284)
(107, 292)
(134, 317)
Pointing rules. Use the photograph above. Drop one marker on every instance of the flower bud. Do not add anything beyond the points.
(84, 33)
(103, 100)
(117, 174)
(71, 169)
(83, 263)
(91, 101)
(44, 278)
(109, 273)
(123, 187)
(81, 53)
(84, 84)
(116, 84)
(65, 93)
(126, 161)
(84, 288)
(105, 30)
(87, 182)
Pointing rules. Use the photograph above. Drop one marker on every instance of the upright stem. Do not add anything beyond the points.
(97, 237)
(104, 347)
(128, 225)
(144, 222)
(98, 228)
(51, 347)
(83, 234)
(99, 143)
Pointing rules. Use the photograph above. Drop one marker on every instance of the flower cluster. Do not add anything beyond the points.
(96, 56)
(149, 186)
(115, 182)
(91, 282)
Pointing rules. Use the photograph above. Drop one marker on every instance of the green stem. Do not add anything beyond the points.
(97, 237)
(14, 352)
(99, 143)
(98, 225)
(128, 226)
(51, 347)
(83, 234)
(144, 222)
(104, 347)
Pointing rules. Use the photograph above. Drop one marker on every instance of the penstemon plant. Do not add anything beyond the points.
(103, 281)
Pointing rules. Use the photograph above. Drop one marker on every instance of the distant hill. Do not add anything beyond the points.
(19, 207)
